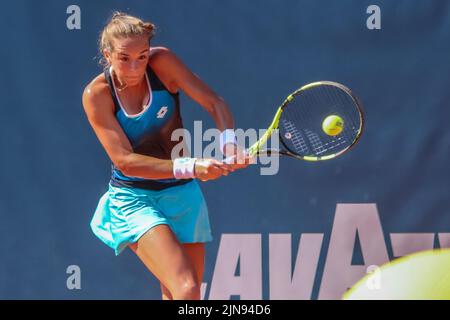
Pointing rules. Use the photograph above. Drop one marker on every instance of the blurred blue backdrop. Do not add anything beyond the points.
(253, 53)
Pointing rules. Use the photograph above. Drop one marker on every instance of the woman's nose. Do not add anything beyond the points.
(133, 65)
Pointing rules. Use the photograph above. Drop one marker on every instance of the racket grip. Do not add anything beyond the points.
(229, 160)
(232, 159)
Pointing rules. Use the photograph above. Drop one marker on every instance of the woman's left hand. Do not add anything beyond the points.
(237, 157)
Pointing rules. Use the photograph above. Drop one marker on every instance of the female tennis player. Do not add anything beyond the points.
(154, 204)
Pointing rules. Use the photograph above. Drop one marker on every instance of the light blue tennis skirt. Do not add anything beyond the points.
(123, 215)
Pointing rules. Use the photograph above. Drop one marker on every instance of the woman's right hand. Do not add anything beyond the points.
(210, 169)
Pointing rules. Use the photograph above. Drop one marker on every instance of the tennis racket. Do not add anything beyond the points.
(300, 120)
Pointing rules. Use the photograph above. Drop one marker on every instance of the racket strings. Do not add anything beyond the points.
(350, 129)
(295, 135)
(342, 100)
(301, 121)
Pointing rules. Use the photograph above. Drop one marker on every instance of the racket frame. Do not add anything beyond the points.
(255, 149)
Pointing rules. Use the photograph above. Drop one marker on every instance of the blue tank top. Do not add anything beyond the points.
(149, 131)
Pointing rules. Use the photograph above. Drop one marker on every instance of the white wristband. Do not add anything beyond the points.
(227, 136)
(184, 168)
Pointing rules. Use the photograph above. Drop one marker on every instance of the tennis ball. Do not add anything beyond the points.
(333, 125)
(419, 276)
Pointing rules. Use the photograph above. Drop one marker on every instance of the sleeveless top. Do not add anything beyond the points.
(149, 131)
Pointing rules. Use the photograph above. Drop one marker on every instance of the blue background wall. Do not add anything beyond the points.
(253, 53)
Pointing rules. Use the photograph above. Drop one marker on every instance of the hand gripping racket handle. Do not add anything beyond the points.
(232, 159)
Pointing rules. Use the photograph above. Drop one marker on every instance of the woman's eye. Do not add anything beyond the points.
(142, 57)
(123, 59)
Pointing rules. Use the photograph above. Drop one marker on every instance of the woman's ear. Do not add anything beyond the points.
(107, 55)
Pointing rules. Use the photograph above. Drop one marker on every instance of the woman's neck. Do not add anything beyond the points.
(121, 87)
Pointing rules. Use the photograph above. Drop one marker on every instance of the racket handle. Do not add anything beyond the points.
(232, 159)
(229, 160)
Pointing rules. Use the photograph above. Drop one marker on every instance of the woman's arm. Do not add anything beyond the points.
(178, 77)
(99, 108)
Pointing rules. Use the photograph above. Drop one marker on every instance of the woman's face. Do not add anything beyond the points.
(129, 59)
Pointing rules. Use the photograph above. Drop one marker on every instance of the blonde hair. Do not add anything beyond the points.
(122, 25)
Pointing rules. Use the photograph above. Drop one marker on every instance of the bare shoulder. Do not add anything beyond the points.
(162, 57)
(158, 52)
(97, 94)
(166, 65)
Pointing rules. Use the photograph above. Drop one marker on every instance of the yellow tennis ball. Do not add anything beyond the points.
(333, 125)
